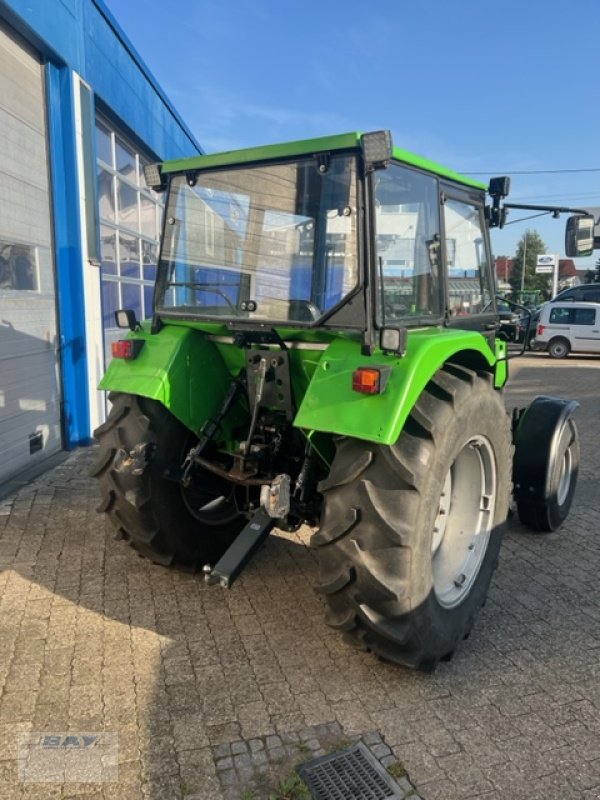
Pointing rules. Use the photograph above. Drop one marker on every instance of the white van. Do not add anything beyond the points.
(568, 326)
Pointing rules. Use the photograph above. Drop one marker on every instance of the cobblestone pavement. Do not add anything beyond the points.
(94, 638)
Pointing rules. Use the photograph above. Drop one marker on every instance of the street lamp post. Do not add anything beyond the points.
(523, 264)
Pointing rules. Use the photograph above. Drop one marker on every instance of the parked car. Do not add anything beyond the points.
(567, 326)
(585, 293)
(528, 319)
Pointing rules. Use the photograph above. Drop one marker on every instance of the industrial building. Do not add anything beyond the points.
(80, 114)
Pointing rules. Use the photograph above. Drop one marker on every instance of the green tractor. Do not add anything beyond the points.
(323, 350)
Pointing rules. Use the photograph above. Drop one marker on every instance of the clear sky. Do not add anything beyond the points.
(486, 88)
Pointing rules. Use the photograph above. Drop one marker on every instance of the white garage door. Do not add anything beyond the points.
(29, 399)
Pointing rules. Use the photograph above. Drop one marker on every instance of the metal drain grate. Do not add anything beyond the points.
(352, 774)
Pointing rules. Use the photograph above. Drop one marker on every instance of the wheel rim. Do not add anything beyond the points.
(463, 524)
(564, 479)
(559, 349)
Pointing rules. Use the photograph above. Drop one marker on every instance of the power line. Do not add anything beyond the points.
(530, 197)
(530, 171)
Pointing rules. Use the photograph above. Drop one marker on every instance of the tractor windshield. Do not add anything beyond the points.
(273, 242)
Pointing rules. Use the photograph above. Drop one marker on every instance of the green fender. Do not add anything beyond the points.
(330, 404)
(180, 368)
(189, 374)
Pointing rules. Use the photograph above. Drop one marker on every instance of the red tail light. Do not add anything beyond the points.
(127, 348)
(540, 330)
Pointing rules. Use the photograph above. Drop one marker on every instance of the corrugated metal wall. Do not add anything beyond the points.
(29, 401)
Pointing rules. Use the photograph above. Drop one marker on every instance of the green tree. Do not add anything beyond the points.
(529, 248)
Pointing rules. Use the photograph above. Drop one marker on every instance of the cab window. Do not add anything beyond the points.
(407, 246)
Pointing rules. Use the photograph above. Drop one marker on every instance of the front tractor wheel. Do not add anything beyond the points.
(547, 516)
(546, 463)
(138, 445)
(410, 533)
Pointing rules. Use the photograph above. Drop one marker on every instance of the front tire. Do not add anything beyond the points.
(140, 441)
(410, 532)
(549, 515)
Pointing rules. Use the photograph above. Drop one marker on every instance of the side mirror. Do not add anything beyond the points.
(125, 318)
(499, 187)
(579, 236)
(498, 190)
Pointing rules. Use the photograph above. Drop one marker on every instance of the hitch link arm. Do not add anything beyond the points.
(210, 428)
(238, 554)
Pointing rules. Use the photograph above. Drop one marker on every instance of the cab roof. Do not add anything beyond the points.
(344, 141)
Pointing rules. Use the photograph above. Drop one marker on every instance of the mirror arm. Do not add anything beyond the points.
(556, 209)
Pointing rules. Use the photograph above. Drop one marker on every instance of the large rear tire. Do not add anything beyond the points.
(140, 441)
(410, 533)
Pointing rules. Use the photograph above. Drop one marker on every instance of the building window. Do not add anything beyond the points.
(18, 266)
(130, 218)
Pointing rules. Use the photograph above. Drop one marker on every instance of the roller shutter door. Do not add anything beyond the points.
(29, 385)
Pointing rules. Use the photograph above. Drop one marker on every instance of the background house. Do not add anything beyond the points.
(568, 275)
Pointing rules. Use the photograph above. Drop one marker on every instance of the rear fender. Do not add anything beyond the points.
(180, 368)
(537, 434)
(330, 405)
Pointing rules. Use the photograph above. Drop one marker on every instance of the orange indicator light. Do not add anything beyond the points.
(366, 380)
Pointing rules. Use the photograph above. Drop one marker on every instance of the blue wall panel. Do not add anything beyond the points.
(53, 24)
(114, 73)
(68, 254)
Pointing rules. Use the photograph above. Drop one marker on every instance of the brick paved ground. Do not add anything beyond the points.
(94, 638)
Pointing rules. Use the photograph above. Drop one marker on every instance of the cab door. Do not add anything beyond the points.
(469, 289)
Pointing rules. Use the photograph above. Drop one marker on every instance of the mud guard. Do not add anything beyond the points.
(176, 368)
(546, 462)
(330, 405)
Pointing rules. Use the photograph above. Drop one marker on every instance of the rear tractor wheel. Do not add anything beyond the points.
(170, 524)
(410, 532)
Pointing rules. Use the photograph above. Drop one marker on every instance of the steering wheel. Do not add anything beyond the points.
(303, 310)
